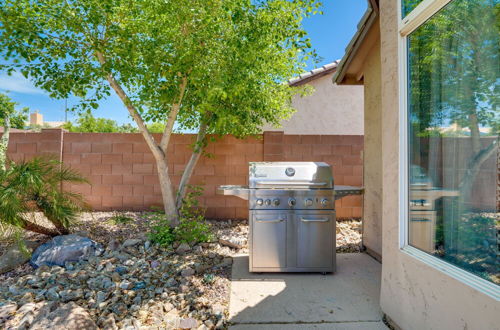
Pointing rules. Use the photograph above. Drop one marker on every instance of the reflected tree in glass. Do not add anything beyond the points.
(454, 81)
(409, 5)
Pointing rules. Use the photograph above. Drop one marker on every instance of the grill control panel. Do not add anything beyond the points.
(274, 199)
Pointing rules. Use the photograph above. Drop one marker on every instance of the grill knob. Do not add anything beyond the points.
(292, 202)
(276, 202)
(308, 202)
(268, 202)
(325, 202)
(259, 202)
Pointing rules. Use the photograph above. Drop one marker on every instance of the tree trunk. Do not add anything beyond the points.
(474, 166)
(474, 133)
(159, 150)
(4, 143)
(60, 227)
(188, 171)
(167, 193)
(28, 225)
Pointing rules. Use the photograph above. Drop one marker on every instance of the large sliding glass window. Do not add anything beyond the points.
(453, 118)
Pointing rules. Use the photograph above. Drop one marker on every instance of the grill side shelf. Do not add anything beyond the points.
(343, 191)
(238, 191)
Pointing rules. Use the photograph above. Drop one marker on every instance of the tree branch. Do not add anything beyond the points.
(474, 167)
(172, 116)
(188, 171)
(155, 149)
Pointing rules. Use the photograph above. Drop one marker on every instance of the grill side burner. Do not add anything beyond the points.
(291, 215)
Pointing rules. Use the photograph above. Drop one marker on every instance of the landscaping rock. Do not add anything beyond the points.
(6, 311)
(183, 248)
(131, 242)
(62, 249)
(67, 316)
(232, 242)
(126, 285)
(188, 323)
(15, 256)
(128, 288)
(187, 272)
(109, 323)
(113, 245)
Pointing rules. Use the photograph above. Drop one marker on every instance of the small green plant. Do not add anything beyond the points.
(192, 226)
(161, 232)
(192, 231)
(208, 278)
(120, 219)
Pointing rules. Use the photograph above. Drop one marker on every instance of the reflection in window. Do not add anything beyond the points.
(409, 5)
(454, 121)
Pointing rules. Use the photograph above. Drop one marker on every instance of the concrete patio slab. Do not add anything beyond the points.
(320, 326)
(348, 299)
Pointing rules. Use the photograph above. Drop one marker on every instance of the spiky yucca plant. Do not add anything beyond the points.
(36, 185)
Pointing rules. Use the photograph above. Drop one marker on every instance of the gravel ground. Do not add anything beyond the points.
(141, 285)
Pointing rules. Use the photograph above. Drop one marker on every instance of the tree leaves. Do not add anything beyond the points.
(238, 54)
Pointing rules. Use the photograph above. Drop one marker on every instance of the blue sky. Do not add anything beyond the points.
(330, 33)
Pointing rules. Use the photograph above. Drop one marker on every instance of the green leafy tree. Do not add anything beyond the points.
(9, 118)
(213, 66)
(87, 123)
(156, 127)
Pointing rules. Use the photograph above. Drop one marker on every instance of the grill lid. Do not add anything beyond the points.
(290, 175)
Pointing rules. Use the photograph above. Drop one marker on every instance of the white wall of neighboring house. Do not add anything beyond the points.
(330, 110)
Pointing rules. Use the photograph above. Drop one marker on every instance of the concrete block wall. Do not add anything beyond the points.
(123, 174)
(342, 152)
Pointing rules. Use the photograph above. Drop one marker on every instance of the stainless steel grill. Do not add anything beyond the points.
(291, 215)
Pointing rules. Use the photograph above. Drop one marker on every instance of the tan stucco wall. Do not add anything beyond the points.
(372, 174)
(331, 109)
(414, 295)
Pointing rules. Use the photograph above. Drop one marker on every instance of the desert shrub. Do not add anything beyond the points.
(36, 185)
(192, 227)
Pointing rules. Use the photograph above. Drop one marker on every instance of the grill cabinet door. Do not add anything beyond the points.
(269, 239)
(315, 239)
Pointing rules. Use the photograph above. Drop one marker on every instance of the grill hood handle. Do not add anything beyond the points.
(292, 183)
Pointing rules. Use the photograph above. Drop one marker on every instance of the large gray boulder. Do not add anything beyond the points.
(15, 256)
(62, 249)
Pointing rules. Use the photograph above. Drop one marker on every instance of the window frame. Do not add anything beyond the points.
(418, 16)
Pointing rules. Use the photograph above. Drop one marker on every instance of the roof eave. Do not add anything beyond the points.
(313, 74)
(364, 26)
